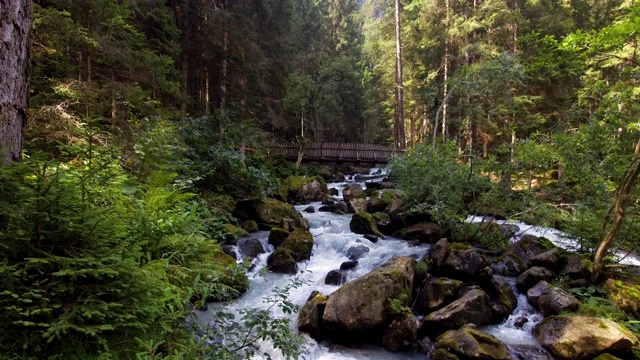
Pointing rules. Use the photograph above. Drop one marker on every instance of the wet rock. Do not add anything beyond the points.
(383, 222)
(251, 247)
(577, 267)
(309, 210)
(528, 247)
(356, 205)
(334, 192)
(300, 244)
(310, 315)
(520, 322)
(250, 226)
(549, 259)
(379, 200)
(230, 250)
(353, 192)
(277, 236)
(425, 232)
(442, 354)
(401, 333)
(371, 237)
(282, 261)
(327, 208)
(302, 189)
(335, 277)
(485, 274)
(508, 265)
(555, 300)
(268, 213)
(348, 265)
(533, 276)
(471, 344)
(503, 300)
(438, 253)
(356, 252)
(436, 294)
(530, 352)
(362, 223)
(463, 264)
(534, 293)
(606, 357)
(473, 307)
(395, 209)
(328, 200)
(361, 305)
(582, 337)
(341, 207)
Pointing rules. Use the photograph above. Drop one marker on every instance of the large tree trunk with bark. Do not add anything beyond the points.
(400, 140)
(15, 30)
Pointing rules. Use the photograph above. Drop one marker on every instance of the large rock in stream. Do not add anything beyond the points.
(363, 223)
(474, 307)
(582, 337)
(361, 307)
(296, 247)
(470, 344)
(303, 189)
(268, 213)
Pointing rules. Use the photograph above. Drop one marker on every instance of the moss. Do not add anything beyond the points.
(442, 354)
(457, 247)
(250, 226)
(282, 261)
(420, 269)
(363, 223)
(232, 233)
(300, 243)
(293, 185)
(277, 236)
(546, 243)
(606, 357)
(229, 274)
(271, 211)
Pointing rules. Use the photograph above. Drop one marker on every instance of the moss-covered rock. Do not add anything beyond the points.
(250, 226)
(232, 278)
(277, 236)
(471, 344)
(472, 308)
(354, 191)
(442, 354)
(436, 294)
(282, 261)
(383, 222)
(232, 233)
(356, 205)
(582, 337)
(302, 189)
(508, 265)
(555, 300)
(532, 276)
(503, 300)
(577, 267)
(380, 199)
(401, 333)
(363, 223)
(528, 247)
(462, 263)
(300, 244)
(625, 293)
(438, 253)
(268, 212)
(310, 316)
(424, 232)
(361, 306)
(606, 357)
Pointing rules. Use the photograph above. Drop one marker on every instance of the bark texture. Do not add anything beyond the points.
(15, 30)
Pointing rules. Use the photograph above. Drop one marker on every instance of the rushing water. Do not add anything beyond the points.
(332, 239)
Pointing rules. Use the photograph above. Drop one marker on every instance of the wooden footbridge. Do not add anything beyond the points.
(337, 152)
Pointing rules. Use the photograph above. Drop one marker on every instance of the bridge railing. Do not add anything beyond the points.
(325, 151)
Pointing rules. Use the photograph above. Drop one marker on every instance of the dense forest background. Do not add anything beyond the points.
(149, 119)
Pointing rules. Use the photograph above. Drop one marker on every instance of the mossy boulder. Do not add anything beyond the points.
(425, 232)
(383, 222)
(534, 293)
(442, 354)
(500, 233)
(401, 333)
(555, 300)
(310, 315)
(503, 299)
(577, 267)
(380, 199)
(250, 226)
(250, 247)
(438, 253)
(277, 236)
(300, 244)
(470, 344)
(361, 306)
(582, 337)
(268, 212)
(553, 259)
(356, 205)
(303, 189)
(354, 191)
(436, 294)
(625, 293)
(606, 357)
(363, 223)
(232, 234)
(528, 247)
(533, 276)
(473, 307)
(230, 275)
(462, 263)
(508, 265)
(282, 261)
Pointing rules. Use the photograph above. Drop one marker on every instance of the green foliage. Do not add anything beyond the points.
(595, 302)
(398, 305)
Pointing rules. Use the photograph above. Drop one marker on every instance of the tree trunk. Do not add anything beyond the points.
(617, 209)
(15, 31)
(400, 139)
(445, 88)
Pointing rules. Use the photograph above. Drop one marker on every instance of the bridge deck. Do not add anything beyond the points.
(338, 152)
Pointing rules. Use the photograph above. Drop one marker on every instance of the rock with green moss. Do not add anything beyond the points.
(356, 205)
(471, 344)
(462, 263)
(551, 259)
(424, 232)
(363, 223)
(232, 278)
(473, 307)
(528, 247)
(438, 253)
(354, 191)
(442, 354)
(555, 300)
(606, 357)
(582, 337)
(277, 236)
(362, 306)
(500, 233)
(532, 276)
(232, 233)
(508, 265)
(401, 333)
(310, 316)
(299, 243)
(383, 222)
(268, 212)
(577, 267)
(380, 199)
(250, 226)
(282, 261)
(503, 300)
(303, 189)
(436, 294)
